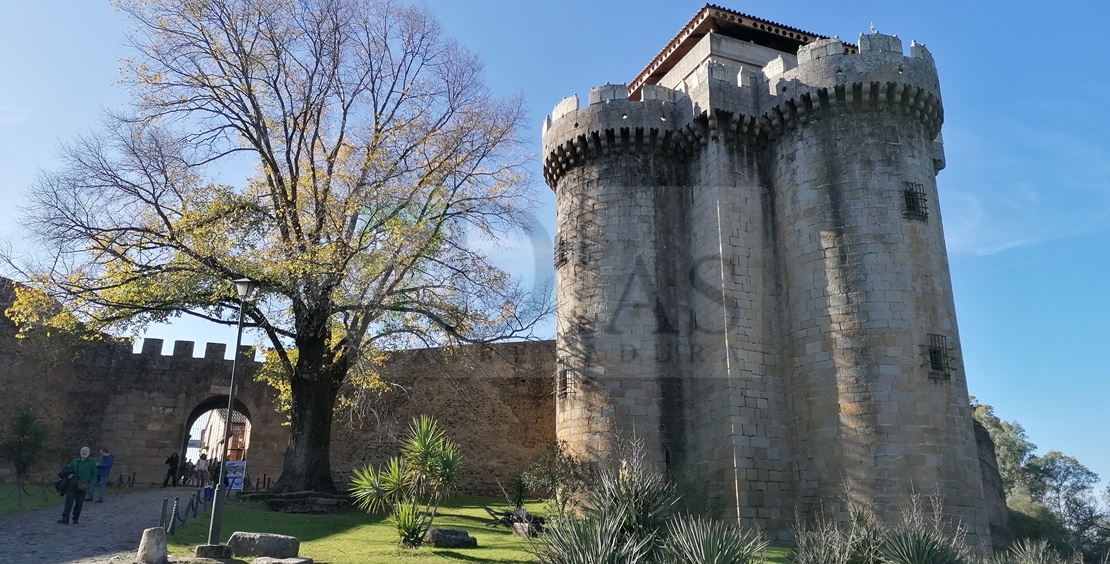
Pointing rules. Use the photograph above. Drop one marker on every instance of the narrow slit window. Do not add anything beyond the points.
(560, 250)
(939, 356)
(915, 202)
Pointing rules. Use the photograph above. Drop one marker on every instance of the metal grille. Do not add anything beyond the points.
(916, 203)
(939, 356)
(562, 383)
(560, 250)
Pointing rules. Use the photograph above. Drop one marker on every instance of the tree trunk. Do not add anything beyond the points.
(308, 460)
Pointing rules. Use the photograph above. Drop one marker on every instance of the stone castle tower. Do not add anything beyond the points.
(752, 277)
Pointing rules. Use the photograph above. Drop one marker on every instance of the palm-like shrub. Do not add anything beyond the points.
(697, 540)
(23, 443)
(907, 544)
(595, 539)
(628, 518)
(411, 486)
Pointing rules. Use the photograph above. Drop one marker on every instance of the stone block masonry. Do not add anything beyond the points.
(495, 401)
(751, 275)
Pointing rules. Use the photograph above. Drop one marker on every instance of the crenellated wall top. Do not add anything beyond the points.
(152, 349)
(613, 123)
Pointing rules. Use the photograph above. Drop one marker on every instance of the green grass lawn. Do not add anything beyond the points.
(357, 538)
(12, 500)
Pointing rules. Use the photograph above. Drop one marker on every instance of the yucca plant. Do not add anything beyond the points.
(596, 539)
(412, 523)
(628, 518)
(411, 487)
(828, 542)
(1028, 551)
(697, 540)
(918, 545)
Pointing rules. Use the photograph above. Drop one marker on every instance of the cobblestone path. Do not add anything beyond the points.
(109, 532)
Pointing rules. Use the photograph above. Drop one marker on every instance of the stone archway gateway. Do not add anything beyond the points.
(205, 426)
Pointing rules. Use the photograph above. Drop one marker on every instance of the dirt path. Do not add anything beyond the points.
(109, 532)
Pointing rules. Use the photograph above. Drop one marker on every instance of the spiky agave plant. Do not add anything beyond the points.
(918, 545)
(595, 539)
(698, 540)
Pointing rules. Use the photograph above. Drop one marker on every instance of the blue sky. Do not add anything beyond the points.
(1025, 197)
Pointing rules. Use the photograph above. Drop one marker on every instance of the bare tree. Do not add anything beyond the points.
(377, 148)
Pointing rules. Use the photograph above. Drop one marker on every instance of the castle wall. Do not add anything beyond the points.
(495, 402)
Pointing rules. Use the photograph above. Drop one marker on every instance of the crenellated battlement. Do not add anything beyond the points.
(658, 123)
(880, 77)
(152, 349)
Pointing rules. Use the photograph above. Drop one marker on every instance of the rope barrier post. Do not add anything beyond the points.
(162, 515)
(193, 499)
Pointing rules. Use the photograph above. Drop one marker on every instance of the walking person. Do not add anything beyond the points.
(201, 470)
(171, 471)
(103, 472)
(83, 472)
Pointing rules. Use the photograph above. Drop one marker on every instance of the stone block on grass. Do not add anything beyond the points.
(263, 544)
(450, 538)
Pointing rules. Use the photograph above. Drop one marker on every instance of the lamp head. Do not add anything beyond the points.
(245, 288)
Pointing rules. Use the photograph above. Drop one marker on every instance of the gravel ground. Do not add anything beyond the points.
(109, 532)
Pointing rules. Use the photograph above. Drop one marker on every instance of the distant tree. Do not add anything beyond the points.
(1051, 497)
(23, 444)
(376, 150)
(1012, 449)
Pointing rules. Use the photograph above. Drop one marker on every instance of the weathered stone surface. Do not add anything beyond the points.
(263, 544)
(524, 529)
(450, 538)
(152, 547)
(752, 278)
(217, 551)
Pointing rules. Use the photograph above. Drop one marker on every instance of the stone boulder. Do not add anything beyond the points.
(450, 538)
(152, 547)
(263, 544)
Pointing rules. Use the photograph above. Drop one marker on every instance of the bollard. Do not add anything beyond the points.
(162, 515)
(193, 504)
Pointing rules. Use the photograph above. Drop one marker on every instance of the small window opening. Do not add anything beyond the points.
(560, 250)
(916, 204)
(939, 356)
(562, 383)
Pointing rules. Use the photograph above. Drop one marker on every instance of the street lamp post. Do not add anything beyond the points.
(245, 288)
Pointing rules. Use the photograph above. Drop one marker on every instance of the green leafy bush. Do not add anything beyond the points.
(558, 476)
(423, 475)
(24, 442)
(628, 517)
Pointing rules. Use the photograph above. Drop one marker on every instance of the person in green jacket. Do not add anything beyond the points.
(83, 473)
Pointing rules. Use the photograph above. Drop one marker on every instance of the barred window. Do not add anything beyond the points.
(915, 202)
(562, 383)
(560, 250)
(939, 356)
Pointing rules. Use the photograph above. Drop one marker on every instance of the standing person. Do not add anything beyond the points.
(103, 471)
(214, 470)
(171, 471)
(202, 469)
(83, 471)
